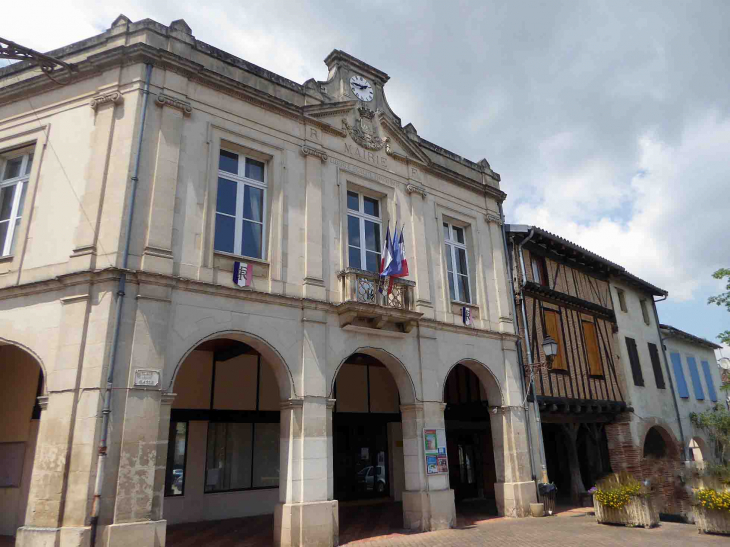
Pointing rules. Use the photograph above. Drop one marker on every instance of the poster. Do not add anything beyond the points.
(434, 446)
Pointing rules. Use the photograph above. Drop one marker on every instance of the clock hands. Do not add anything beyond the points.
(361, 86)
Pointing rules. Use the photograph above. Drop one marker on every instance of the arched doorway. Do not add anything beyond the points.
(469, 441)
(695, 450)
(20, 413)
(224, 440)
(367, 435)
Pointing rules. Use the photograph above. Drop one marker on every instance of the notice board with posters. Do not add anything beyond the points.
(434, 444)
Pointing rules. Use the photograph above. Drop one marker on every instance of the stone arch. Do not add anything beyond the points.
(655, 435)
(281, 370)
(406, 387)
(487, 378)
(34, 355)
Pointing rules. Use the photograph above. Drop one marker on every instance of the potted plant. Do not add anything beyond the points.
(621, 499)
(712, 495)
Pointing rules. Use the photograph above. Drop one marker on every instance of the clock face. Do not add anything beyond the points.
(361, 88)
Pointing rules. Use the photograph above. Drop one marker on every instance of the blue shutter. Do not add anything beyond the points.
(710, 383)
(679, 376)
(696, 382)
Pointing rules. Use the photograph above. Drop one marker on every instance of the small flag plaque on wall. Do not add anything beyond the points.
(466, 315)
(242, 274)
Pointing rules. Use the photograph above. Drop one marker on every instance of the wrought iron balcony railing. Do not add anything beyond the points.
(364, 305)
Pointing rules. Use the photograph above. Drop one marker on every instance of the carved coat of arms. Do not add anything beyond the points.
(364, 132)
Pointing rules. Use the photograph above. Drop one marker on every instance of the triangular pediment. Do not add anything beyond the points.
(330, 110)
(400, 143)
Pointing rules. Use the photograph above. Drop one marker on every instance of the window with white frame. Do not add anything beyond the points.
(364, 225)
(240, 205)
(457, 263)
(14, 175)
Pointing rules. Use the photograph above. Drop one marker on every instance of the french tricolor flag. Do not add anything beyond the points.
(242, 274)
(397, 264)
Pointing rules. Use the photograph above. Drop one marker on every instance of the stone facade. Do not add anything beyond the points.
(302, 313)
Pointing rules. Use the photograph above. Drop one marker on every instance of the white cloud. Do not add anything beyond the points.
(677, 219)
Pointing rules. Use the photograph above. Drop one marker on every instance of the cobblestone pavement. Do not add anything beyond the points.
(573, 528)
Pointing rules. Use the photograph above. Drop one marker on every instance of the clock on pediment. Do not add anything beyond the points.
(361, 88)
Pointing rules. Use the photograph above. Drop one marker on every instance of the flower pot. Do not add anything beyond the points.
(639, 511)
(712, 521)
(537, 509)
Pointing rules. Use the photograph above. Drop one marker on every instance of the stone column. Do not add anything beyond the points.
(500, 273)
(306, 513)
(84, 252)
(420, 251)
(157, 255)
(140, 480)
(428, 502)
(514, 488)
(313, 221)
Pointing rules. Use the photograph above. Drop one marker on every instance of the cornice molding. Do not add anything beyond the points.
(166, 100)
(115, 97)
(497, 219)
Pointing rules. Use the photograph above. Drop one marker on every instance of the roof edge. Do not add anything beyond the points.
(687, 336)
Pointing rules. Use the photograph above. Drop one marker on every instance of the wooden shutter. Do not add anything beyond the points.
(634, 360)
(696, 382)
(595, 366)
(679, 375)
(656, 365)
(710, 383)
(552, 328)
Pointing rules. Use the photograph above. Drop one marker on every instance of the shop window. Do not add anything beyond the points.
(176, 459)
(14, 176)
(242, 456)
(539, 270)
(240, 205)
(364, 228)
(553, 328)
(457, 263)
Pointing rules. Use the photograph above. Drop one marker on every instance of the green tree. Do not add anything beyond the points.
(722, 299)
(716, 424)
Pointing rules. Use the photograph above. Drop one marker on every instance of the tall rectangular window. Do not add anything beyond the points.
(554, 330)
(696, 382)
(679, 375)
(595, 365)
(539, 270)
(656, 365)
(645, 311)
(240, 205)
(457, 263)
(177, 444)
(364, 226)
(634, 361)
(14, 175)
(622, 300)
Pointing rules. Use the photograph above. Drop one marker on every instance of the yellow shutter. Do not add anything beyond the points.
(552, 327)
(594, 359)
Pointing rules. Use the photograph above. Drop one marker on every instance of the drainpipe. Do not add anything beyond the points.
(543, 464)
(106, 410)
(669, 375)
(510, 270)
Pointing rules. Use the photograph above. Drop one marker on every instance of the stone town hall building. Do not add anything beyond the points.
(305, 386)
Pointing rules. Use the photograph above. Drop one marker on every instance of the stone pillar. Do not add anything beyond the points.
(306, 514)
(157, 255)
(418, 244)
(428, 502)
(140, 480)
(514, 488)
(84, 252)
(313, 221)
(500, 274)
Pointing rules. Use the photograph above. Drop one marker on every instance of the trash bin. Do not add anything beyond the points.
(548, 491)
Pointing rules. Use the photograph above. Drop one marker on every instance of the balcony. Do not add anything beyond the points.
(364, 307)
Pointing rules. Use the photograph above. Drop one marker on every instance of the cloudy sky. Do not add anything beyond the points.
(608, 120)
